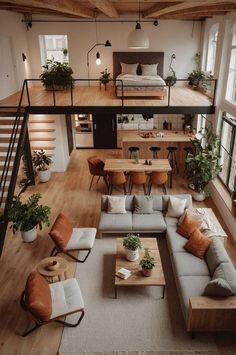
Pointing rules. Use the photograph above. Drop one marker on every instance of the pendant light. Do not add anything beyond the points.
(138, 39)
(98, 60)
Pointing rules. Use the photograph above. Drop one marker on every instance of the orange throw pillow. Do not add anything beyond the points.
(198, 244)
(61, 231)
(188, 225)
(38, 296)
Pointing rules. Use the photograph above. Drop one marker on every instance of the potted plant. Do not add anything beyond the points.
(198, 76)
(26, 217)
(65, 55)
(56, 75)
(187, 120)
(105, 77)
(42, 162)
(147, 263)
(202, 165)
(132, 245)
(171, 78)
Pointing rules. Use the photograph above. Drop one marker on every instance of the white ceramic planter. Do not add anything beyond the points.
(44, 175)
(132, 255)
(198, 196)
(29, 236)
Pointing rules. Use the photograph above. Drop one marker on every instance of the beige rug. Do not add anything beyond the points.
(138, 322)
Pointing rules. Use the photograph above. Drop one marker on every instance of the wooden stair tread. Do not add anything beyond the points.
(43, 139)
(5, 149)
(36, 147)
(7, 121)
(5, 131)
(40, 121)
(7, 139)
(40, 130)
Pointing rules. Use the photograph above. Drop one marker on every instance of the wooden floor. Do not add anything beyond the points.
(67, 192)
(93, 96)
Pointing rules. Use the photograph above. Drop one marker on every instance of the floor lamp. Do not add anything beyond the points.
(106, 44)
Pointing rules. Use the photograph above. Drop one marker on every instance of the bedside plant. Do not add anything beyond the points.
(56, 75)
(147, 263)
(105, 77)
(171, 78)
(42, 162)
(132, 245)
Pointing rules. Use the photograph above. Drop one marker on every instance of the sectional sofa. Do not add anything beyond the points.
(192, 274)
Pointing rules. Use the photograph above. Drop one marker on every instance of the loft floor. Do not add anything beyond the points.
(67, 192)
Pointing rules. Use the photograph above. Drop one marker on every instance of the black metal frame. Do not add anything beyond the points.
(56, 251)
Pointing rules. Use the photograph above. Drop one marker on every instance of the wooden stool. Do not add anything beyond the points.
(133, 150)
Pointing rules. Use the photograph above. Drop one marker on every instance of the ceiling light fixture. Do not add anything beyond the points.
(138, 39)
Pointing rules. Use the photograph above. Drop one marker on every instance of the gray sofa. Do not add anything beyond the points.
(191, 273)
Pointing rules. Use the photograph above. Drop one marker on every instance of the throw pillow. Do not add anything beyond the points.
(188, 226)
(176, 207)
(227, 272)
(216, 255)
(191, 211)
(116, 204)
(129, 68)
(149, 69)
(197, 244)
(61, 231)
(143, 204)
(218, 288)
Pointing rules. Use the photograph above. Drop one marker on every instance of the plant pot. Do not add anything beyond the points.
(199, 196)
(147, 272)
(29, 236)
(44, 175)
(132, 255)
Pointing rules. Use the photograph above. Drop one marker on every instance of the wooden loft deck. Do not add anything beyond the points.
(93, 96)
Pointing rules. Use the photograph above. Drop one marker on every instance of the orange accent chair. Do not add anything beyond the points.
(116, 178)
(158, 178)
(137, 178)
(96, 168)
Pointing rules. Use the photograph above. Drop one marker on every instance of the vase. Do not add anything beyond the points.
(199, 196)
(29, 236)
(44, 175)
(132, 255)
(147, 272)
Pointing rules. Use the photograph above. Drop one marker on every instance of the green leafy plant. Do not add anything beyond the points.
(26, 216)
(198, 76)
(202, 165)
(132, 242)
(171, 78)
(41, 160)
(147, 262)
(56, 75)
(105, 77)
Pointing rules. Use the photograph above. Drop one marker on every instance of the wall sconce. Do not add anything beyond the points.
(24, 57)
(98, 59)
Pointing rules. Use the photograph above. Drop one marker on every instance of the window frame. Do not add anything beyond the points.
(214, 30)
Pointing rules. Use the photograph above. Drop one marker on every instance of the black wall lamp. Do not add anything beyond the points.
(98, 59)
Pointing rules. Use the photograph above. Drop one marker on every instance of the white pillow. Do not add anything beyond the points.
(129, 68)
(116, 204)
(149, 69)
(191, 211)
(176, 207)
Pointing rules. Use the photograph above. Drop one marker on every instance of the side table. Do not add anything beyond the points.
(59, 273)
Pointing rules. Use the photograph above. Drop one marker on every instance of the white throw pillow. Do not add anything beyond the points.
(149, 69)
(176, 207)
(129, 68)
(192, 212)
(116, 204)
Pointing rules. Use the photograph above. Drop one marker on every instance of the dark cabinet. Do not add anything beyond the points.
(104, 131)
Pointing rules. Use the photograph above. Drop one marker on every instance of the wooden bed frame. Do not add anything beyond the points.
(142, 58)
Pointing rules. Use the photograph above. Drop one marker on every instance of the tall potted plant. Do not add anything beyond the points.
(56, 75)
(132, 245)
(26, 217)
(42, 163)
(203, 165)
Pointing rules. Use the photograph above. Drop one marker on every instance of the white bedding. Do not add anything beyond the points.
(140, 82)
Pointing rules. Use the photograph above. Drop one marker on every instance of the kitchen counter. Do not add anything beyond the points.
(168, 136)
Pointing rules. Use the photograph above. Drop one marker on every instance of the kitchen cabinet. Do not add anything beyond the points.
(104, 131)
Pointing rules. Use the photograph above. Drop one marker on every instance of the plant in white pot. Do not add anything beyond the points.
(42, 163)
(147, 263)
(132, 245)
(26, 217)
(203, 165)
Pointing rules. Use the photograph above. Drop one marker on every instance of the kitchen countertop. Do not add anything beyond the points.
(169, 136)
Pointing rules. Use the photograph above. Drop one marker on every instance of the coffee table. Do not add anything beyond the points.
(137, 279)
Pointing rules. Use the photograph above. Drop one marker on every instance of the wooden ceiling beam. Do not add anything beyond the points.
(70, 7)
(156, 12)
(199, 9)
(106, 7)
(193, 16)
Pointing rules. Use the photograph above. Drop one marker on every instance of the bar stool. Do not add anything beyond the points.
(154, 151)
(116, 178)
(158, 178)
(132, 150)
(172, 157)
(137, 178)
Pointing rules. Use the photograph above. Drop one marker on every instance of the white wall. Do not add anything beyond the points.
(177, 37)
(11, 27)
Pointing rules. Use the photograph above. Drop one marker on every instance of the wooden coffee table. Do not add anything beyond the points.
(137, 279)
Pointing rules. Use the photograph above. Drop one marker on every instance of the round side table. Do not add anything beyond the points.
(42, 268)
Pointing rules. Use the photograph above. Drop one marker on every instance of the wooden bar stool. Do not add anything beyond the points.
(133, 150)
(171, 156)
(159, 179)
(137, 178)
(154, 151)
(116, 178)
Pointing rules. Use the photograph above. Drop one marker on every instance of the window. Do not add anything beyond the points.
(231, 83)
(54, 47)
(211, 52)
(228, 151)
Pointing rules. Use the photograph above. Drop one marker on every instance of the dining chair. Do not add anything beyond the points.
(137, 178)
(116, 178)
(159, 179)
(96, 168)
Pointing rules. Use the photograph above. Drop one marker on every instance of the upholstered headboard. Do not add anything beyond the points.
(137, 57)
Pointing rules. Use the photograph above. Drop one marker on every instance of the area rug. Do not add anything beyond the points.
(138, 321)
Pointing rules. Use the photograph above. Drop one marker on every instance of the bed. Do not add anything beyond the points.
(134, 83)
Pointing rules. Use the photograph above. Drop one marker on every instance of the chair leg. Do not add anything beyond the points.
(53, 252)
(144, 189)
(150, 188)
(76, 259)
(91, 182)
(70, 324)
(31, 330)
(124, 187)
(106, 183)
(98, 179)
(110, 190)
(177, 168)
(164, 189)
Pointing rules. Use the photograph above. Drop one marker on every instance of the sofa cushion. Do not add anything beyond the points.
(190, 286)
(61, 231)
(165, 199)
(218, 288)
(216, 254)
(128, 202)
(157, 203)
(171, 221)
(186, 264)
(176, 207)
(175, 241)
(197, 244)
(115, 222)
(116, 204)
(143, 204)
(188, 226)
(227, 272)
(149, 222)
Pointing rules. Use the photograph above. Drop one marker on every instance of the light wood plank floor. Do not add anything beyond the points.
(93, 96)
(67, 192)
